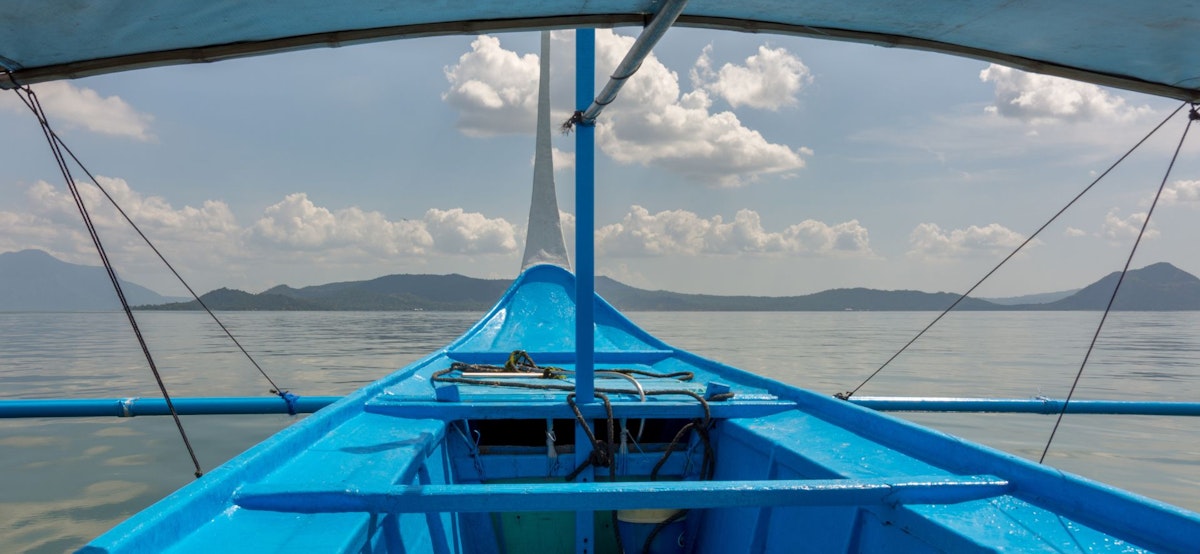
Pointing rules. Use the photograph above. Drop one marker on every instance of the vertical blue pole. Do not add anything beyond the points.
(585, 267)
(585, 217)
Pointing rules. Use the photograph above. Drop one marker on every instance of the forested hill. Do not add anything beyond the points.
(32, 280)
(1156, 287)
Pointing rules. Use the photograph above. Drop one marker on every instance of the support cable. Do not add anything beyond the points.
(32, 102)
(848, 394)
(1193, 116)
(287, 397)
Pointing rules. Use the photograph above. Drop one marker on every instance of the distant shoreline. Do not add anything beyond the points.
(34, 281)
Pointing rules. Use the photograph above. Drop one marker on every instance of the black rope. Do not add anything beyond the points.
(32, 102)
(602, 451)
(646, 546)
(275, 389)
(848, 394)
(1193, 115)
(576, 119)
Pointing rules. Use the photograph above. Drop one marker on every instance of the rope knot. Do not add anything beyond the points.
(601, 455)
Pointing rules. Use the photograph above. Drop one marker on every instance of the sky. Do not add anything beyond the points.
(730, 164)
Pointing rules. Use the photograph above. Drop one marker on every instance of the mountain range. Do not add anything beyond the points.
(32, 280)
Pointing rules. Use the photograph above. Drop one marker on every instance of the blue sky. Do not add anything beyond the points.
(731, 164)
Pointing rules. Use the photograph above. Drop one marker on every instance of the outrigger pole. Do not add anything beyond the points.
(238, 405)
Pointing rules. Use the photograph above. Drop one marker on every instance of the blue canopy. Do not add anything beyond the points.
(1144, 46)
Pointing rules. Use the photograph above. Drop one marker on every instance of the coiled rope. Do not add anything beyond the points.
(602, 451)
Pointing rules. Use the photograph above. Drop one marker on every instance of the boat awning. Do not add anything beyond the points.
(1147, 47)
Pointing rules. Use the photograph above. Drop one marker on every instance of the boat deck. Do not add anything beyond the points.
(417, 464)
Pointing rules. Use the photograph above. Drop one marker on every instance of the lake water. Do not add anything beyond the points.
(64, 481)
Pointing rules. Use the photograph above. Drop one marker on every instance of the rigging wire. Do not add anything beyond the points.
(848, 394)
(275, 389)
(30, 99)
(1193, 116)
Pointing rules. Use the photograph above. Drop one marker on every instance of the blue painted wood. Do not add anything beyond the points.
(585, 265)
(1028, 406)
(534, 465)
(303, 498)
(557, 409)
(603, 359)
(351, 446)
(585, 215)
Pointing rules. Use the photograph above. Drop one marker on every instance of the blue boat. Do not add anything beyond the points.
(555, 424)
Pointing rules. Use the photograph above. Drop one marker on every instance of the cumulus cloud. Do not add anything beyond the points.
(1042, 98)
(928, 240)
(49, 221)
(296, 222)
(680, 232)
(769, 80)
(493, 89)
(299, 224)
(152, 213)
(1117, 227)
(459, 232)
(563, 161)
(1073, 232)
(652, 123)
(86, 108)
(1182, 192)
(292, 229)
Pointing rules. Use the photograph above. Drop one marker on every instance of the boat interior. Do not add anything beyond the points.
(677, 454)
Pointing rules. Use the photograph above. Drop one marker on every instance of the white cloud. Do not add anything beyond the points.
(1117, 227)
(296, 222)
(493, 89)
(188, 235)
(1042, 98)
(299, 224)
(292, 229)
(769, 80)
(928, 240)
(680, 232)
(652, 123)
(1182, 192)
(84, 107)
(1073, 232)
(152, 213)
(563, 161)
(458, 232)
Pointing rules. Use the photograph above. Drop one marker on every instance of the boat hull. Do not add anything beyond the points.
(434, 460)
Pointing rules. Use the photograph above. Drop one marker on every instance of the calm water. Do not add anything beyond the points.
(65, 481)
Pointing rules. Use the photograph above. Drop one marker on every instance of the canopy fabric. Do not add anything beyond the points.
(1145, 46)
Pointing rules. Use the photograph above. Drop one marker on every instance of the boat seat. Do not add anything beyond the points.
(366, 451)
(798, 444)
(596, 496)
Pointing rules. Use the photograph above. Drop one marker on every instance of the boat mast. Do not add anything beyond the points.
(544, 242)
(584, 121)
(585, 216)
